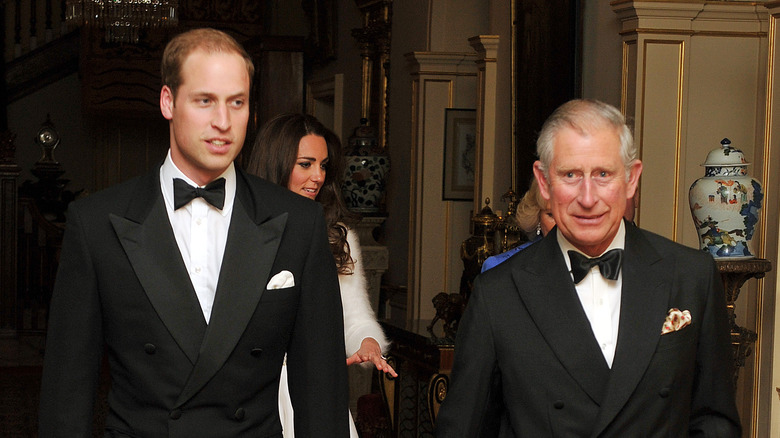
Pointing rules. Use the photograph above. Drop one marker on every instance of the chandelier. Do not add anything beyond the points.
(122, 19)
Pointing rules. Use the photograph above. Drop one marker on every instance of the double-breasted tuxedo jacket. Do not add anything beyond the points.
(122, 284)
(526, 357)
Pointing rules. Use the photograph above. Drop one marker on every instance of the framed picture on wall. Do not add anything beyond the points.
(460, 144)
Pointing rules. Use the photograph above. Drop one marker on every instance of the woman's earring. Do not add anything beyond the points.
(539, 229)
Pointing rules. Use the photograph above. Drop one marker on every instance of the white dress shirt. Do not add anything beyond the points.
(600, 297)
(201, 232)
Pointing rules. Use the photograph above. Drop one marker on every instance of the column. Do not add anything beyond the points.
(485, 181)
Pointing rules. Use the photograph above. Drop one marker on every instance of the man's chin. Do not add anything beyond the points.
(588, 239)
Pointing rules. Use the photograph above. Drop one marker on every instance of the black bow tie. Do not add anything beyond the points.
(609, 264)
(213, 193)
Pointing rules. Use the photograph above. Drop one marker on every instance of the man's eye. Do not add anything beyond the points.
(238, 103)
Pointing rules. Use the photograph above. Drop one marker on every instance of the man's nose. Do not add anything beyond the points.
(587, 195)
(221, 119)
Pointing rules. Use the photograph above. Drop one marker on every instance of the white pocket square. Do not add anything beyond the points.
(281, 280)
(676, 320)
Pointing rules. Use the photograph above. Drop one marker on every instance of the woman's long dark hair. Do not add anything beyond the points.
(273, 157)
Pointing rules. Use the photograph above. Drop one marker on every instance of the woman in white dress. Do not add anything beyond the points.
(296, 151)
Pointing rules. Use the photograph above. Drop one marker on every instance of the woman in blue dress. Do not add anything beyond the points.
(534, 218)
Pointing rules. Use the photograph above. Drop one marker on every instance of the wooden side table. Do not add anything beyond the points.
(734, 274)
(423, 364)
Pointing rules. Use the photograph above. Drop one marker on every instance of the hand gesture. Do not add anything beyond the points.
(370, 352)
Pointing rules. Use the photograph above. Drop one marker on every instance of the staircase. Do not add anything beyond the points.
(38, 47)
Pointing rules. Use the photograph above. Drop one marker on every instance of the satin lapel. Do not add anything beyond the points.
(147, 238)
(246, 266)
(551, 299)
(645, 295)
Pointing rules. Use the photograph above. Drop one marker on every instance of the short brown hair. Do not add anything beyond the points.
(207, 39)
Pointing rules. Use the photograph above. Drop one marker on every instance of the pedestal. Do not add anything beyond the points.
(734, 274)
(375, 257)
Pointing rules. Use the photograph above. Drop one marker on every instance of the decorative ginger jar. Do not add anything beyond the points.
(365, 171)
(725, 204)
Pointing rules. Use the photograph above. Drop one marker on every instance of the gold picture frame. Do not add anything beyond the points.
(460, 142)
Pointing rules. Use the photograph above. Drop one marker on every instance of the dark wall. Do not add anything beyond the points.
(547, 70)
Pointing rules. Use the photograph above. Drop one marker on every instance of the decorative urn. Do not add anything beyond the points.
(478, 247)
(725, 204)
(364, 171)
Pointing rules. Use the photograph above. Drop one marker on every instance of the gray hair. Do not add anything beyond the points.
(585, 116)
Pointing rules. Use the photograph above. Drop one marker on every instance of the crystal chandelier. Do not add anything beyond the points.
(122, 19)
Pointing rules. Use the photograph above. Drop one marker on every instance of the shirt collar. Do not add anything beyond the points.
(169, 171)
(619, 241)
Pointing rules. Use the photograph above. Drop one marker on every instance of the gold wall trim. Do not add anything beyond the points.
(413, 277)
(448, 219)
(694, 33)
(764, 226)
(439, 54)
(702, 2)
(678, 119)
(624, 75)
(678, 136)
(767, 150)
(440, 73)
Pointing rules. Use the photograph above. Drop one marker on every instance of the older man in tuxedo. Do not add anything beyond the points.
(195, 280)
(601, 329)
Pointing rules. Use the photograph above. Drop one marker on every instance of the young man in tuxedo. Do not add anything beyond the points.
(601, 329)
(195, 280)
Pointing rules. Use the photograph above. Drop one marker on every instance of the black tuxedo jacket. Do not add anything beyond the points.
(526, 355)
(122, 288)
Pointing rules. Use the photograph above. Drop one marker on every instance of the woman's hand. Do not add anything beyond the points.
(370, 352)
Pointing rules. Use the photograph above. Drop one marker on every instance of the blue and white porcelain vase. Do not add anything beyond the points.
(725, 204)
(365, 171)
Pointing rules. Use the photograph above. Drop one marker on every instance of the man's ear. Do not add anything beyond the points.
(634, 172)
(166, 102)
(541, 179)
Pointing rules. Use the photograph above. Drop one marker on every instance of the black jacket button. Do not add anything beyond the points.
(558, 404)
(664, 392)
(150, 348)
(240, 414)
(256, 352)
(175, 414)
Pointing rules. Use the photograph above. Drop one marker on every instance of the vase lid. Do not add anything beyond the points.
(363, 139)
(486, 215)
(725, 155)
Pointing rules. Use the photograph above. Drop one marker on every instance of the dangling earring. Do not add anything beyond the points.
(538, 229)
